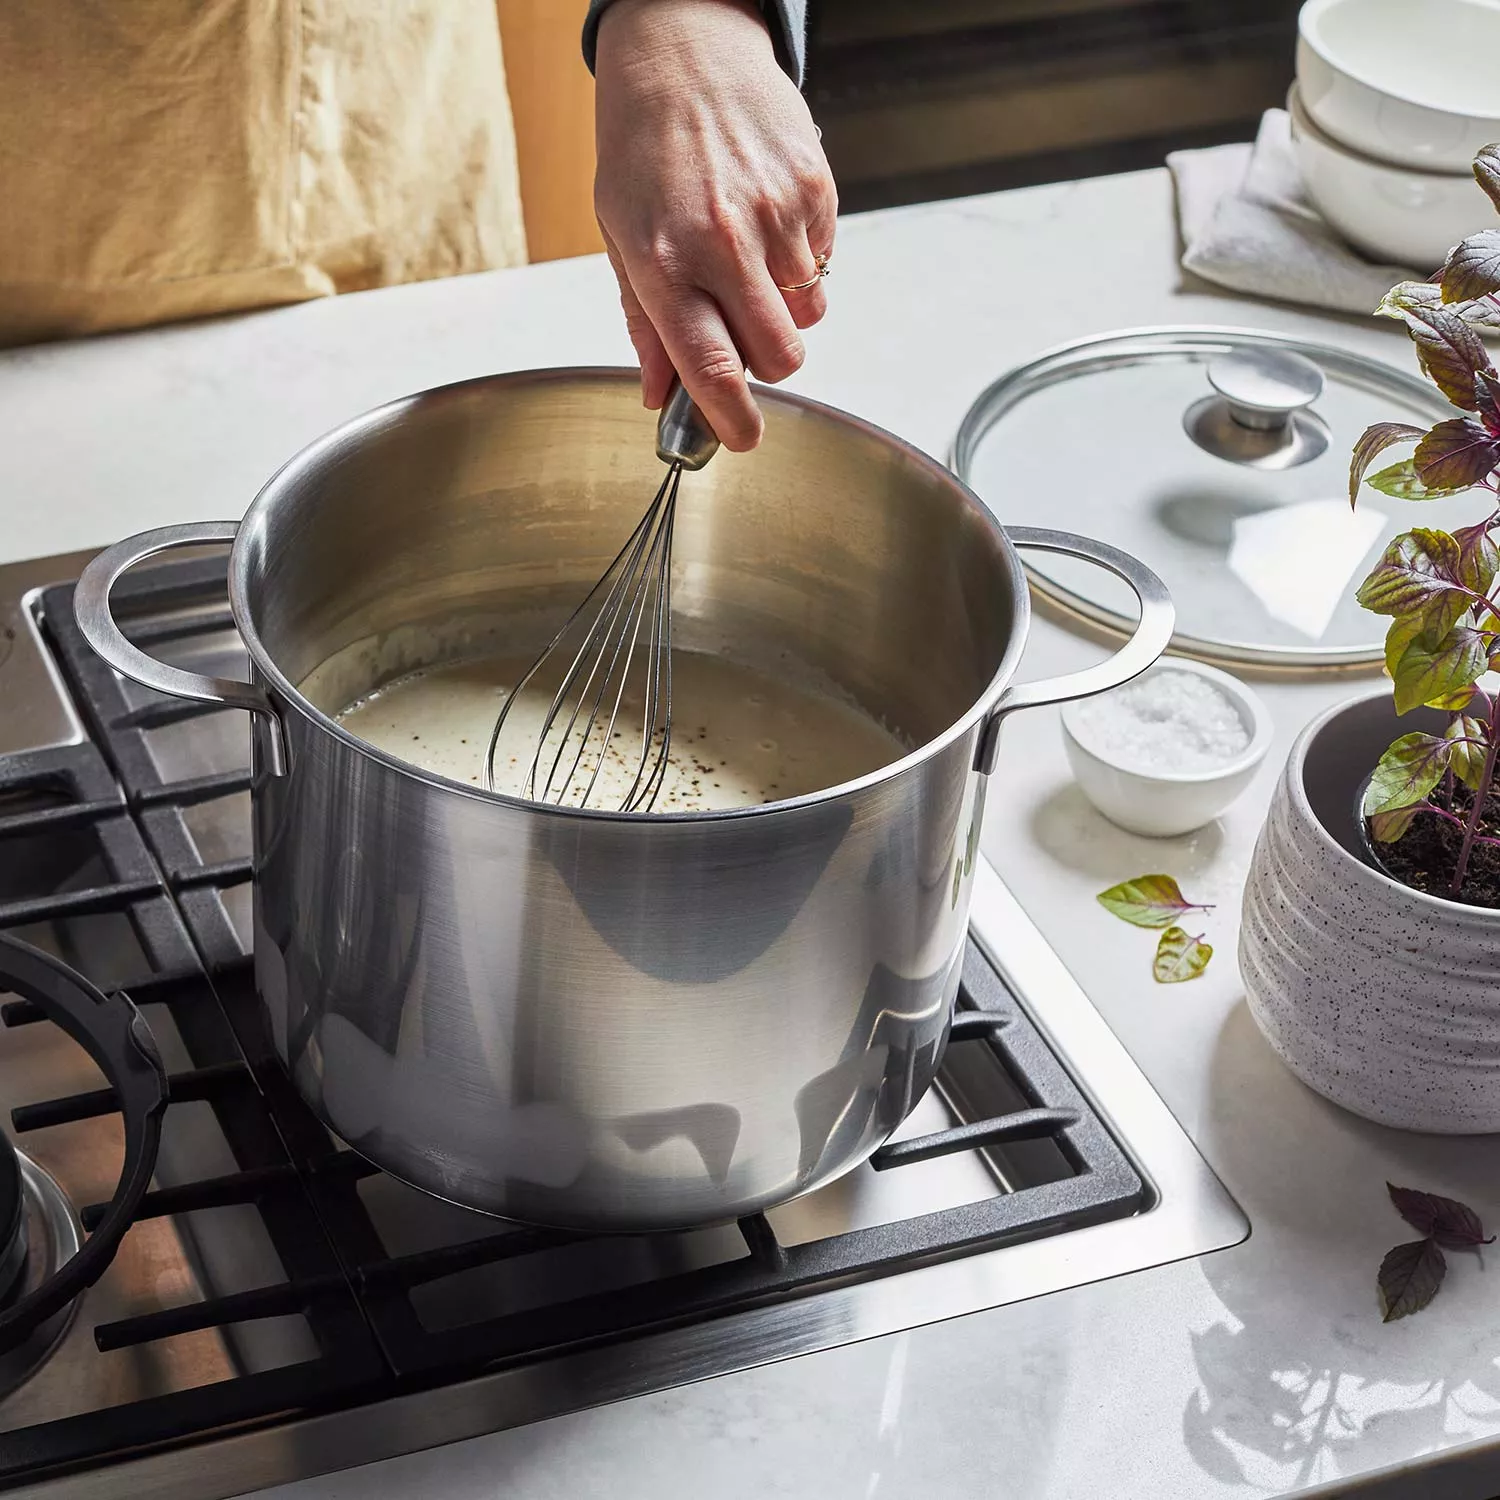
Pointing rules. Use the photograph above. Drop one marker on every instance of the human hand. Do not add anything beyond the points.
(712, 192)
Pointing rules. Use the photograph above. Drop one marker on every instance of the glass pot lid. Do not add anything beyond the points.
(1220, 458)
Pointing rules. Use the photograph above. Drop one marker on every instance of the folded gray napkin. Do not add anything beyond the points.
(1247, 225)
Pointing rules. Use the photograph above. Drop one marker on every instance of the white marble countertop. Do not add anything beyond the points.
(1260, 1370)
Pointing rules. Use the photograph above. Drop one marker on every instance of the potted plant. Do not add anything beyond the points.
(1370, 945)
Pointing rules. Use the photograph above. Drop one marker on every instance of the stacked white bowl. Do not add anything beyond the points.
(1393, 100)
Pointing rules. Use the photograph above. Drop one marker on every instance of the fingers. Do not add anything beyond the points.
(678, 329)
(805, 235)
(703, 352)
(822, 200)
(763, 326)
(656, 364)
(791, 266)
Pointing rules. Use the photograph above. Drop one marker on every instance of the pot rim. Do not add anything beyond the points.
(310, 456)
(1297, 790)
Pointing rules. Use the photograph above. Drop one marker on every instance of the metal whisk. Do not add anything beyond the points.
(624, 634)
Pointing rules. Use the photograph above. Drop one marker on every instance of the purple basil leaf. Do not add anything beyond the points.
(1402, 299)
(1374, 441)
(1426, 672)
(1487, 400)
(1418, 569)
(1452, 703)
(1454, 1225)
(1147, 901)
(1409, 1278)
(1449, 351)
(1179, 957)
(1401, 482)
(1478, 557)
(1470, 738)
(1406, 295)
(1487, 172)
(1404, 630)
(1456, 454)
(1472, 268)
(1387, 827)
(1406, 774)
(1482, 315)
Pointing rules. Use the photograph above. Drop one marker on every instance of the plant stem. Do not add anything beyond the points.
(1481, 796)
(1457, 822)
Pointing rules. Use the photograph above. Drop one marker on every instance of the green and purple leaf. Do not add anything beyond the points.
(1404, 630)
(1472, 269)
(1401, 482)
(1179, 957)
(1478, 558)
(1419, 570)
(1373, 442)
(1409, 1278)
(1449, 351)
(1487, 172)
(1406, 774)
(1456, 455)
(1427, 672)
(1387, 827)
(1487, 399)
(1459, 698)
(1470, 740)
(1409, 295)
(1454, 1225)
(1148, 901)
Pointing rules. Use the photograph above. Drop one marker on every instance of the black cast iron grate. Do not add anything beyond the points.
(70, 791)
(360, 1300)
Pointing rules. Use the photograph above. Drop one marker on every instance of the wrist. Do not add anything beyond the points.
(632, 30)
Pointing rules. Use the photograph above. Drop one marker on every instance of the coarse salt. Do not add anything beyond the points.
(1166, 721)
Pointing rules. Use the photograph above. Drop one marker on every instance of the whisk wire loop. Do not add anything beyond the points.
(636, 590)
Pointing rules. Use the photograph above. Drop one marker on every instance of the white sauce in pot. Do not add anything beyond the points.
(740, 737)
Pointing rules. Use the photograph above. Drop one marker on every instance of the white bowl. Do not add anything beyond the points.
(1416, 84)
(1162, 804)
(1389, 213)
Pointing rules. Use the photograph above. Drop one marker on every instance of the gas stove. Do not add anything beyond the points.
(277, 1307)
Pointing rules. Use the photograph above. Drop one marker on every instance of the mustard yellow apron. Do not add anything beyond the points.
(164, 159)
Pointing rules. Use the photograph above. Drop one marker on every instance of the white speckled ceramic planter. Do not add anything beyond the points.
(1382, 999)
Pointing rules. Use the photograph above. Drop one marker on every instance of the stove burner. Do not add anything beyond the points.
(50, 1238)
(13, 1226)
(114, 1033)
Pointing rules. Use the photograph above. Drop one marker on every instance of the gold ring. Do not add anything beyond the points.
(821, 262)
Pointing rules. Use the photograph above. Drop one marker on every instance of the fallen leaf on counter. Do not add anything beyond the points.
(1454, 1225)
(1180, 957)
(1148, 901)
(1409, 1278)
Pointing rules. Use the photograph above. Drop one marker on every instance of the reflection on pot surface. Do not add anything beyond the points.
(541, 1051)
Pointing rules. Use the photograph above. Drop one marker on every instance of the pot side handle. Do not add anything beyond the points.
(1153, 634)
(102, 632)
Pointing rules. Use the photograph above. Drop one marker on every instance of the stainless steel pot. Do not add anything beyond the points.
(586, 1018)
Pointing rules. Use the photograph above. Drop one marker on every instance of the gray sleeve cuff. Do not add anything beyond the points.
(787, 20)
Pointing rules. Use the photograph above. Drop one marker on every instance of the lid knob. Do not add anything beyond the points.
(1259, 416)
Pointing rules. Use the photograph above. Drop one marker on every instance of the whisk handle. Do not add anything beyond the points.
(683, 435)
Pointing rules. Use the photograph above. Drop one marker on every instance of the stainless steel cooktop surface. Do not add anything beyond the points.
(280, 1308)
